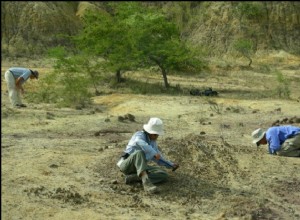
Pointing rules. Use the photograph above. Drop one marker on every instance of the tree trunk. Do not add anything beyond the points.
(267, 24)
(163, 70)
(249, 58)
(164, 73)
(118, 76)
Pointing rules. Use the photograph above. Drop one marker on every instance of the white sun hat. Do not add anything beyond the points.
(257, 135)
(154, 126)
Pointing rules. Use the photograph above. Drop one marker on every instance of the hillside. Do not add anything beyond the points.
(30, 28)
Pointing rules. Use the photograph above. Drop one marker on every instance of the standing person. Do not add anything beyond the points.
(15, 78)
(281, 140)
(141, 149)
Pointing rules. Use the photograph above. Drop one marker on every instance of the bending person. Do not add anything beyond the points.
(15, 77)
(281, 140)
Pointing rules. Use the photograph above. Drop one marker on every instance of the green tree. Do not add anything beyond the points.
(245, 48)
(130, 37)
(109, 36)
(159, 43)
(135, 36)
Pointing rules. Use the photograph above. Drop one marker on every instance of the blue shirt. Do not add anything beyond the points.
(141, 141)
(276, 136)
(20, 72)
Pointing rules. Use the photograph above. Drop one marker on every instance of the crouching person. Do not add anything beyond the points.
(281, 140)
(141, 149)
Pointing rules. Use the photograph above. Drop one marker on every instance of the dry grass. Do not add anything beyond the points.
(60, 163)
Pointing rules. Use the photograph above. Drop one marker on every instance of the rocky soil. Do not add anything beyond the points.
(60, 163)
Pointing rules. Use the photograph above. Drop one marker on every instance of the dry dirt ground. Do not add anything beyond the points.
(60, 163)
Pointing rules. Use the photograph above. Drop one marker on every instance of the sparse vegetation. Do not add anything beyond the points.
(207, 134)
(250, 10)
(264, 68)
(69, 83)
(214, 106)
(245, 47)
(135, 37)
(283, 87)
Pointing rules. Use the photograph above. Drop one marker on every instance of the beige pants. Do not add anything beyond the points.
(291, 147)
(136, 163)
(13, 91)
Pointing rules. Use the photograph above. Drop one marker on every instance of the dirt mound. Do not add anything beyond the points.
(286, 121)
(212, 178)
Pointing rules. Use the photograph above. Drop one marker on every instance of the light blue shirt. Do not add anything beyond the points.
(141, 141)
(20, 72)
(276, 136)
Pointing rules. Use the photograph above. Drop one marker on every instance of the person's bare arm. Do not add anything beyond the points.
(157, 156)
(19, 83)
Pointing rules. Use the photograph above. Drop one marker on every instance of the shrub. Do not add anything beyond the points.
(283, 87)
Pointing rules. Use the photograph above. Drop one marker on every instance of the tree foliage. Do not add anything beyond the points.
(69, 83)
(134, 36)
(128, 38)
(109, 36)
(250, 10)
(245, 47)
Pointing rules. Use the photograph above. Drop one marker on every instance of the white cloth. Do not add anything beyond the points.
(13, 92)
(120, 162)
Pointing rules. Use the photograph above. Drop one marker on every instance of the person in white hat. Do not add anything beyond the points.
(141, 149)
(281, 140)
(15, 77)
